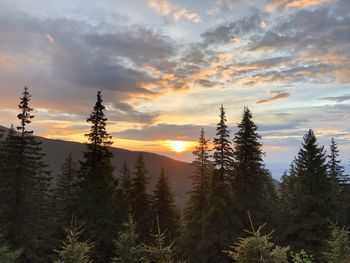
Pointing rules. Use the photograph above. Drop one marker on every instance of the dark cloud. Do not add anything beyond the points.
(336, 98)
(276, 95)
(164, 131)
(137, 43)
(126, 112)
(224, 33)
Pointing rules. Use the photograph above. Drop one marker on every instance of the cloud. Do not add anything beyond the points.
(276, 95)
(124, 112)
(337, 98)
(171, 11)
(275, 5)
(225, 32)
(164, 131)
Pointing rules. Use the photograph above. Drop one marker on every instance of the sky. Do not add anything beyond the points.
(166, 66)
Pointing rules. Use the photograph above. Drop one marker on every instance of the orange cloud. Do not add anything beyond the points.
(277, 4)
(7, 63)
(165, 8)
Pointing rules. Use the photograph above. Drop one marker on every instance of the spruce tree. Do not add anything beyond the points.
(309, 196)
(72, 249)
(335, 169)
(126, 183)
(251, 183)
(65, 194)
(127, 249)
(24, 190)
(223, 151)
(339, 180)
(191, 233)
(140, 200)
(163, 207)
(158, 251)
(338, 245)
(97, 187)
(8, 256)
(219, 220)
(258, 248)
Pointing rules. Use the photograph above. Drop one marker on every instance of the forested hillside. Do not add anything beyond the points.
(92, 212)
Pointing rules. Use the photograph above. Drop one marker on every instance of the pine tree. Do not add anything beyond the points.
(8, 256)
(223, 152)
(335, 169)
(97, 188)
(127, 249)
(126, 183)
(338, 246)
(24, 190)
(140, 200)
(191, 232)
(73, 250)
(220, 213)
(252, 184)
(163, 207)
(309, 196)
(258, 248)
(65, 194)
(158, 251)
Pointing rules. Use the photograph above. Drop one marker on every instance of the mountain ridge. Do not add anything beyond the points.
(179, 172)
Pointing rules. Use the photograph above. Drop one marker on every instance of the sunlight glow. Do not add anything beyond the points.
(178, 146)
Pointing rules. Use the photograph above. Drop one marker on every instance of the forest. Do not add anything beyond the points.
(234, 211)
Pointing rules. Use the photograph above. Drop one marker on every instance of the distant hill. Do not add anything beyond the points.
(178, 172)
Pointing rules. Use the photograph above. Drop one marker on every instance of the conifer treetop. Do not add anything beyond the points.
(98, 136)
(25, 115)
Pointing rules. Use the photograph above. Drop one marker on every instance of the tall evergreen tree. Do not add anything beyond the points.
(309, 196)
(126, 183)
(223, 151)
(163, 206)
(219, 220)
(252, 184)
(335, 169)
(191, 232)
(65, 194)
(24, 190)
(97, 187)
(140, 200)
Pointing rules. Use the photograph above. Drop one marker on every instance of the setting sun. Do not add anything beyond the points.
(178, 146)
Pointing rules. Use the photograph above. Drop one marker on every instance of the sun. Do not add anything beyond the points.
(178, 146)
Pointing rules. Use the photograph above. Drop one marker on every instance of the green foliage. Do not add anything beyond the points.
(24, 194)
(223, 152)
(65, 194)
(163, 207)
(338, 247)
(8, 256)
(125, 183)
(126, 247)
(308, 200)
(302, 257)
(258, 248)
(73, 250)
(191, 233)
(158, 252)
(97, 206)
(220, 215)
(252, 184)
(140, 200)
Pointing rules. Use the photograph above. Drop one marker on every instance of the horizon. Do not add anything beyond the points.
(165, 67)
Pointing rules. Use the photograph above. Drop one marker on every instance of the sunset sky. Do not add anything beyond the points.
(166, 66)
